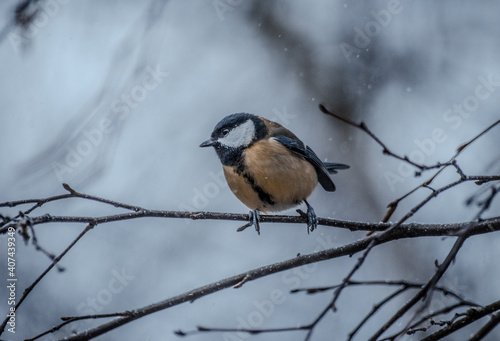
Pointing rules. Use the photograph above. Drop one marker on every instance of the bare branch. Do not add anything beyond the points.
(386, 232)
(425, 289)
(201, 329)
(417, 326)
(471, 316)
(54, 262)
(492, 323)
(68, 320)
(393, 205)
(309, 327)
(452, 229)
(346, 250)
(385, 149)
(377, 239)
(466, 144)
(374, 309)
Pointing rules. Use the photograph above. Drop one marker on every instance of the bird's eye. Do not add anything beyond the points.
(225, 132)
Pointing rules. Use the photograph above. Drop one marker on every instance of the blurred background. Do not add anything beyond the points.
(115, 97)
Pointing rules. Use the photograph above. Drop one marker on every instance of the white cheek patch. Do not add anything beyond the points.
(240, 136)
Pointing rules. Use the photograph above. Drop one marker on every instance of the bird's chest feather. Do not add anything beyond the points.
(271, 178)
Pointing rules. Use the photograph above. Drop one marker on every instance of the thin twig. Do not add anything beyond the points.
(316, 321)
(393, 205)
(488, 327)
(471, 316)
(412, 285)
(426, 288)
(201, 329)
(374, 310)
(405, 286)
(361, 125)
(355, 268)
(309, 327)
(466, 144)
(486, 203)
(72, 194)
(69, 319)
(192, 295)
(54, 262)
(382, 235)
(38, 247)
(346, 250)
(142, 213)
(414, 327)
(389, 232)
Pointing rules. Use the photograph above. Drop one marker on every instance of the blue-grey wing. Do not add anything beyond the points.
(307, 153)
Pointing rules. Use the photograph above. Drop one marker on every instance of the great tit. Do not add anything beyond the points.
(267, 167)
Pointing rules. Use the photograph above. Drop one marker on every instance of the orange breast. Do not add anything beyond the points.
(269, 167)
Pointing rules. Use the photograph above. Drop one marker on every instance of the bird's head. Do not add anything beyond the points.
(233, 134)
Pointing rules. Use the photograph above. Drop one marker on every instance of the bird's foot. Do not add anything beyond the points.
(254, 220)
(312, 219)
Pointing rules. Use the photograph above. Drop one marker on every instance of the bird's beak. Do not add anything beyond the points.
(208, 143)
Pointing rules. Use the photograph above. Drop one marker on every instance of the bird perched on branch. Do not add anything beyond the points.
(267, 167)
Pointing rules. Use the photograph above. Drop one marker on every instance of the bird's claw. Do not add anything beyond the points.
(254, 219)
(312, 219)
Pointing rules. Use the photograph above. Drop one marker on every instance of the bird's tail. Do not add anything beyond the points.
(332, 167)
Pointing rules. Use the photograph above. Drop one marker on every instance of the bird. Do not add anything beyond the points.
(267, 167)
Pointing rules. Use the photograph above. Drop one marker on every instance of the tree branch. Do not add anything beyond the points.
(386, 232)
(347, 250)
(425, 289)
(492, 323)
(393, 205)
(472, 315)
(54, 262)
